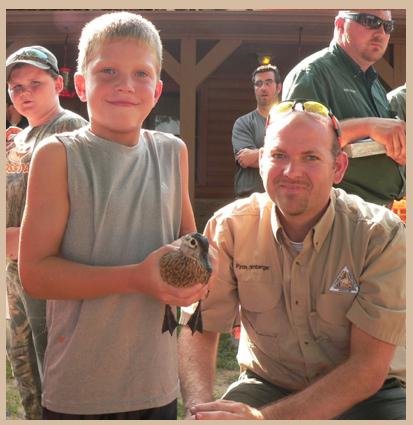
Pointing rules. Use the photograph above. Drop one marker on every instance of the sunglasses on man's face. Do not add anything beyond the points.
(306, 106)
(260, 83)
(369, 21)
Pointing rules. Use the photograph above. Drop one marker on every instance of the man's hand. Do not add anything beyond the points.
(247, 158)
(392, 134)
(224, 409)
(387, 131)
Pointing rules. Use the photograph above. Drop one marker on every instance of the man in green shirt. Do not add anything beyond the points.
(342, 77)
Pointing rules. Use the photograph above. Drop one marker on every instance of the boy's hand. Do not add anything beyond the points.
(11, 132)
(154, 286)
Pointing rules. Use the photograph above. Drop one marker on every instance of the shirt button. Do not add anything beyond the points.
(306, 342)
(297, 263)
(296, 302)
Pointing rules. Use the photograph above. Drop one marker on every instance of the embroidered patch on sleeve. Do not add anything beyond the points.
(345, 282)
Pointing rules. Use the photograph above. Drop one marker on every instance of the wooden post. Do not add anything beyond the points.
(187, 104)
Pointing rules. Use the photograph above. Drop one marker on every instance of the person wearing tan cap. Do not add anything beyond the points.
(34, 85)
(319, 277)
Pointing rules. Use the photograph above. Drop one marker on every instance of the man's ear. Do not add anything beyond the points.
(158, 91)
(58, 84)
(339, 23)
(279, 88)
(341, 164)
(80, 86)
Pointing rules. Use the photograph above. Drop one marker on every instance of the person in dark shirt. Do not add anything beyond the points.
(342, 77)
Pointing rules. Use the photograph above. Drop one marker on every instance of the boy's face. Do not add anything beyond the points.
(34, 92)
(121, 87)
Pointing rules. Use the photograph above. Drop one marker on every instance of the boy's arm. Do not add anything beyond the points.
(45, 274)
(12, 242)
(188, 220)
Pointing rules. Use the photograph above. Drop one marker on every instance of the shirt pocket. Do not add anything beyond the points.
(261, 302)
(329, 322)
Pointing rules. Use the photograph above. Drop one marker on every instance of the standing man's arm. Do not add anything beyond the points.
(358, 378)
(197, 362)
(245, 151)
(387, 131)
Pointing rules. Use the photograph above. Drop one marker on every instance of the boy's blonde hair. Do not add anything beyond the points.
(113, 26)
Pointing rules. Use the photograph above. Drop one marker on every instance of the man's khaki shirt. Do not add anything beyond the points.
(297, 308)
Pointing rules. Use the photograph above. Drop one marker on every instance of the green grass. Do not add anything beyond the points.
(227, 352)
(14, 408)
(9, 373)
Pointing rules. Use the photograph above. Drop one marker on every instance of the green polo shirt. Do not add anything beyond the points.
(334, 79)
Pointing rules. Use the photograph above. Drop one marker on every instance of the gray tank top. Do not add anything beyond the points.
(108, 354)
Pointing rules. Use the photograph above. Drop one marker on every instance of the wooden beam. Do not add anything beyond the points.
(399, 65)
(171, 66)
(386, 71)
(14, 46)
(214, 58)
(187, 105)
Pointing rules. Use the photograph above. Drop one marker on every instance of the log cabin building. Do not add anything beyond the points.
(208, 59)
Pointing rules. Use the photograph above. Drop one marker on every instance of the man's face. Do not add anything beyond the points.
(297, 165)
(33, 91)
(267, 90)
(366, 46)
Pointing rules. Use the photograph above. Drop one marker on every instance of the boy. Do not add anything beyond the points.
(109, 196)
(34, 85)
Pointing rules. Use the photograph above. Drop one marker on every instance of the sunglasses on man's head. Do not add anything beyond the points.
(306, 106)
(369, 21)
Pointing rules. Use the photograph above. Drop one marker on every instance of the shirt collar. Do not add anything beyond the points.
(352, 66)
(317, 233)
